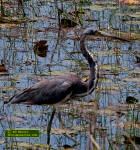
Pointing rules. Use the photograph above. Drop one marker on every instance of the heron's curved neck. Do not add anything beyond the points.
(89, 57)
(93, 78)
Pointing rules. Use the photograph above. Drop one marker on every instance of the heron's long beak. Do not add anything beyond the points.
(105, 34)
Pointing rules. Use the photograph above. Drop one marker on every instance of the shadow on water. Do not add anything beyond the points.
(106, 119)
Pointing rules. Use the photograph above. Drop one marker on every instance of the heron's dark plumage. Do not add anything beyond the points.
(51, 91)
(61, 88)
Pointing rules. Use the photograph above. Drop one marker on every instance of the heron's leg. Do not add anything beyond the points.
(49, 125)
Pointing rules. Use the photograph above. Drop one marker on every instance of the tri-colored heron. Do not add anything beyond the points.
(62, 88)
(66, 87)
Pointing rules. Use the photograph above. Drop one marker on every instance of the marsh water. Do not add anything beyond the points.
(109, 117)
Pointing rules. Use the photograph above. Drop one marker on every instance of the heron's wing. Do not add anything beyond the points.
(48, 91)
(54, 91)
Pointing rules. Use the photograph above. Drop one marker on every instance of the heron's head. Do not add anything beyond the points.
(90, 31)
(96, 32)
